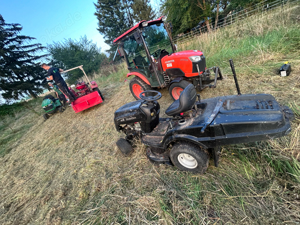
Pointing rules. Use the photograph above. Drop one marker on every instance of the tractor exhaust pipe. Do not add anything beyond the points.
(234, 76)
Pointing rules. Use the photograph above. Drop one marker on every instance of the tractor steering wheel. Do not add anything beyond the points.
(150, 95)
(156, 53)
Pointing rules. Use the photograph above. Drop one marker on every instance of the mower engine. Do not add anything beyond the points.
(137, 117)
(83, 89)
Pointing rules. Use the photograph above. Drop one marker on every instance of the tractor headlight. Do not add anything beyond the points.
(195, 58)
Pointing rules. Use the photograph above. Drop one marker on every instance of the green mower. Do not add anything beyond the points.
(51, 105)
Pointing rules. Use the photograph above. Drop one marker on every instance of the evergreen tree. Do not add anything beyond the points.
(142, 10)
(117, 16)
(183, 14)
(72, 53)
(20, 73)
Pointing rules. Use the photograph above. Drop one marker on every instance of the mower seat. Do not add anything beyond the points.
(185, 102)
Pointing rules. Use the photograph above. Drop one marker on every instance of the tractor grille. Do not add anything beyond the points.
(201, 64)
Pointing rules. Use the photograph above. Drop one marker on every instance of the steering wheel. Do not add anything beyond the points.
(156, 53)
(150, 95)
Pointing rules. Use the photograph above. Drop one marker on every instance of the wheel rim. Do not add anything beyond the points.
(187, 161)
(176, 91)
(137, 90)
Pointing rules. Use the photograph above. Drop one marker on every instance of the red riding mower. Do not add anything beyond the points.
(152, 58)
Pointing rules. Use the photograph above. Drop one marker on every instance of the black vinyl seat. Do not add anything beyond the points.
(185, 102)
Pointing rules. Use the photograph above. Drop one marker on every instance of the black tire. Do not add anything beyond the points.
(124, 146)
(174, 89)
(137, 86)
(60, 109)
(97, 89)
(46, 116)
(189, 157)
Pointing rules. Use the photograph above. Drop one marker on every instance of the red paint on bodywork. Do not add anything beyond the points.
(86, 101)
(127, 32)
(159, 20)
(140, 76)
(181, 60)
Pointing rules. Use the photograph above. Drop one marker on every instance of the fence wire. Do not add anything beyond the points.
(257, 9)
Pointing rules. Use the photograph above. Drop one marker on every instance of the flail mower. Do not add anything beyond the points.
(196, 129)
(152, 59)
(88, 93)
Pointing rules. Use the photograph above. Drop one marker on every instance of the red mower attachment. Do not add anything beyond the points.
(86, 101)
(88, 94)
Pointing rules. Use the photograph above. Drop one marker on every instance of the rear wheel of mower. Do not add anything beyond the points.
(124, 146)
(176, 88)
(97, 89)
(46, 116)
(189, 157)
(137, 86)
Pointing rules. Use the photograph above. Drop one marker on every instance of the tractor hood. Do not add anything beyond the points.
(182, 61)
(186, 54)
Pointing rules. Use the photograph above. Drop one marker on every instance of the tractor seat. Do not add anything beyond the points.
(185, 102)
(140, 61)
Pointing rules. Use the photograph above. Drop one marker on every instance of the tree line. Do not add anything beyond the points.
(20, 71)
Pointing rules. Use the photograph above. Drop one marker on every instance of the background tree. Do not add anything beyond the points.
(183, 14)
(72, 53)
(20, 72)
(117, 16)
(142, 10)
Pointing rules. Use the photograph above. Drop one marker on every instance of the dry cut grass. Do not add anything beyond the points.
(67, 170)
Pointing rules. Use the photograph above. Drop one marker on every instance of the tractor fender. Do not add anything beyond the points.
(140, 76)
(184, 137)
(93, 84)
(176, 80)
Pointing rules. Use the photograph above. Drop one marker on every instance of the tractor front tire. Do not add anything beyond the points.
(137, 86)
(124, 146)
(60, 109)
(97, 89)
(189, 157)
(176, 88)
(46, 116)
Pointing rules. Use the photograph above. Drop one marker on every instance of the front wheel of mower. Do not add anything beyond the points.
(97, 89)
(137, 86)
(61, 109)
(176, 88)
(189, 157)
(46, 116)
(124, 146)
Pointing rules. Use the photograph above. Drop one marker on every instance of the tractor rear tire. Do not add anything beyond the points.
(46, 116)
(124, 146)
(189, 157)
(97, 89)
(176, 88)
(137, 86)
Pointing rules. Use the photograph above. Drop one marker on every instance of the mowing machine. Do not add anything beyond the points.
(197, 129)
(51, 105)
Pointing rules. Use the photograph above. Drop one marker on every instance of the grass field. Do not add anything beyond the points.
(67, 170)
